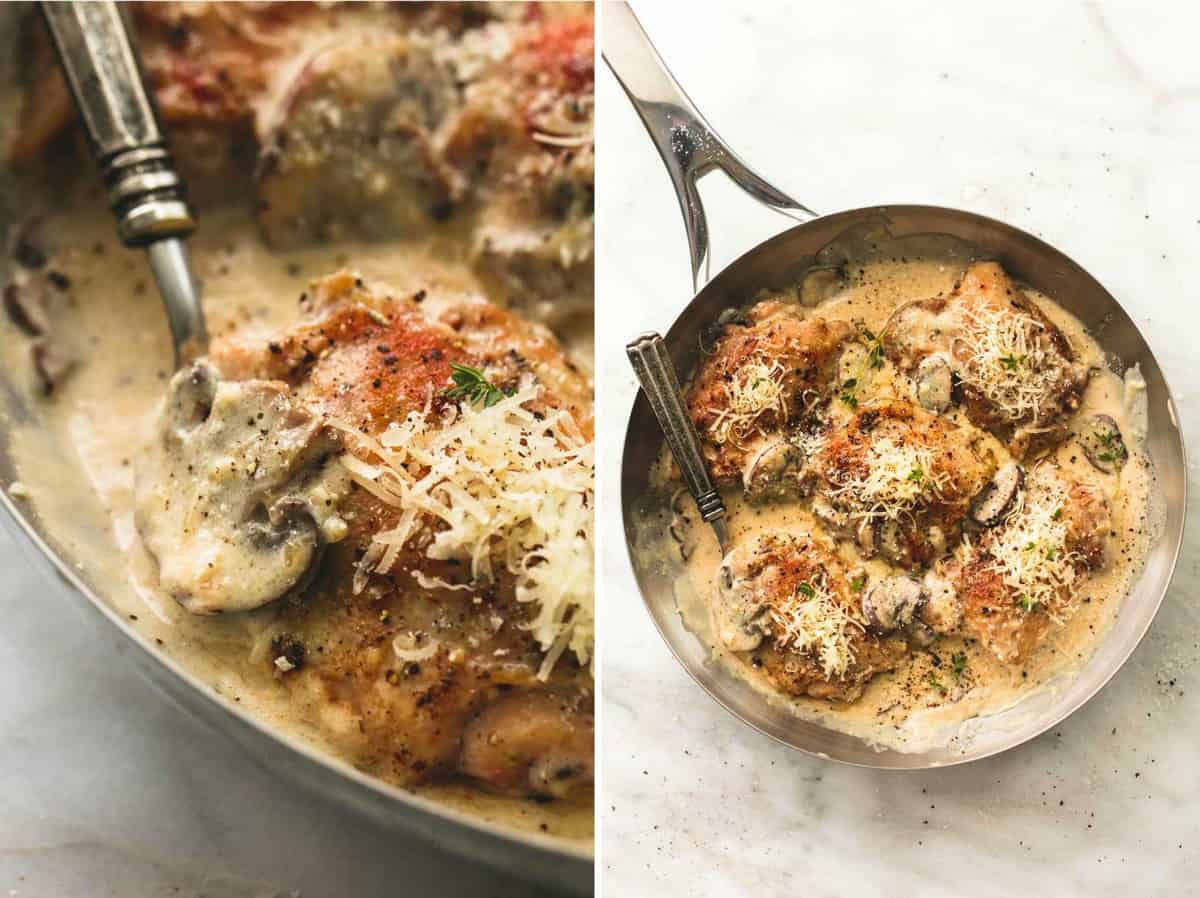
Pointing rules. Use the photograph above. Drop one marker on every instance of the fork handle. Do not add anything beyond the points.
(105, 78)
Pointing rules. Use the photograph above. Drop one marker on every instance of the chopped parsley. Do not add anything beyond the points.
(472, 385)
(1028, 604)
(806, 590)
(1011, 361)
(936, 683)
(916, 475)
(858, 582)
(1057, 514)
(850, 399)
(958, 664)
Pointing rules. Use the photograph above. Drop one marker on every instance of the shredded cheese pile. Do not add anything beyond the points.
(1029, 550)
(898, 476)
(1009, 361)
(812, 620)
(754, 391)
(494, 486)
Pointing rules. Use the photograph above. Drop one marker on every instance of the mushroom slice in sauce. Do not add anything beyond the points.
(892, 603)
(773, 471)
(739, 608)
(934, 384)
(1103, 444)
(999, 497)
(231, 498)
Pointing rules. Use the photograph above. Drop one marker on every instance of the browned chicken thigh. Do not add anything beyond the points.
(786, 602)
(762, 377)
(418, 667)
(1017, 372)
(897, 480)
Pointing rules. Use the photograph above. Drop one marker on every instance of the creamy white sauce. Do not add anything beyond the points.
(904, 710)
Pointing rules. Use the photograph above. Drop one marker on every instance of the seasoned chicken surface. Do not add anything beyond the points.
(898, 480)
(761, 378)
(786, 601)
(419, 672)
(1017, 372)
(1024, 576)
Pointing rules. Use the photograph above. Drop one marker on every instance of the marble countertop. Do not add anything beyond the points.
(1079, 122)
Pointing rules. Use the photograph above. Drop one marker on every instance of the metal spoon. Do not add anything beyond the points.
(145, 193)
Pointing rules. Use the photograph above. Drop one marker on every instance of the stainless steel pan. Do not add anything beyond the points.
(691, 149)
(530, 856)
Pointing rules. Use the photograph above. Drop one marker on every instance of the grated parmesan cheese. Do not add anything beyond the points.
(812, 620)
(495, 487)
(756, 390)
(1029, 551)
(891, 481)
(1009, 361)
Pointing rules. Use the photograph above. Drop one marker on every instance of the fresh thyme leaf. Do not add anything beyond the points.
(850, 384)
(916, 475)
(875, 358)
(1009, 362)
(858, 582)
(936, 683)
(1050, 553)
(958, 662)
(1106, 456)
(1027, 604)
(472, 385)
(807, 591)
(1057, 514)
(850, 400)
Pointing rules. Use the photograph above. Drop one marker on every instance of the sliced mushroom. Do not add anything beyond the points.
(935, 384)
(51, 363)
(222, 496)
(866, 534)
(819, 283)
(892, 544)
(892, 603)
(773, 471)
(1103, 444)
(999, 497)
(739, 610)
(942, 610)
(827, 514)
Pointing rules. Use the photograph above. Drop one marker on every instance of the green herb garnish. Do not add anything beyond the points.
(472, 385)
(850, 384)
(1028, 604)
(936, 683)
(858, 582)
(806, 590)
(958, 662)
(1011, 361)
(850, 399)
(1057, 514)
(916, 475)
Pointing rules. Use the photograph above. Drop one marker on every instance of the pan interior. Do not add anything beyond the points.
(858, 235)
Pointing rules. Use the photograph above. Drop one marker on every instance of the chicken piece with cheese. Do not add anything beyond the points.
(1027, 574)
(897, 480)
(1017, 372)
(763, 377)
(786, 603)
(523, 140)
(412, 479)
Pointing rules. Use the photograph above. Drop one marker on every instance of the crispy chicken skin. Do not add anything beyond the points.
(1017, 371)
(931, 503)
(798, 353)
(365, 358)
(763, 577)
(995, 612)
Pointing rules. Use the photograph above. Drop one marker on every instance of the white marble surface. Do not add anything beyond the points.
(107, 789)
(1079, 122)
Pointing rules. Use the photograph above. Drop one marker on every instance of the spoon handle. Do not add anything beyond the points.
(105, 79)
(656, 374)
(144, 191)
